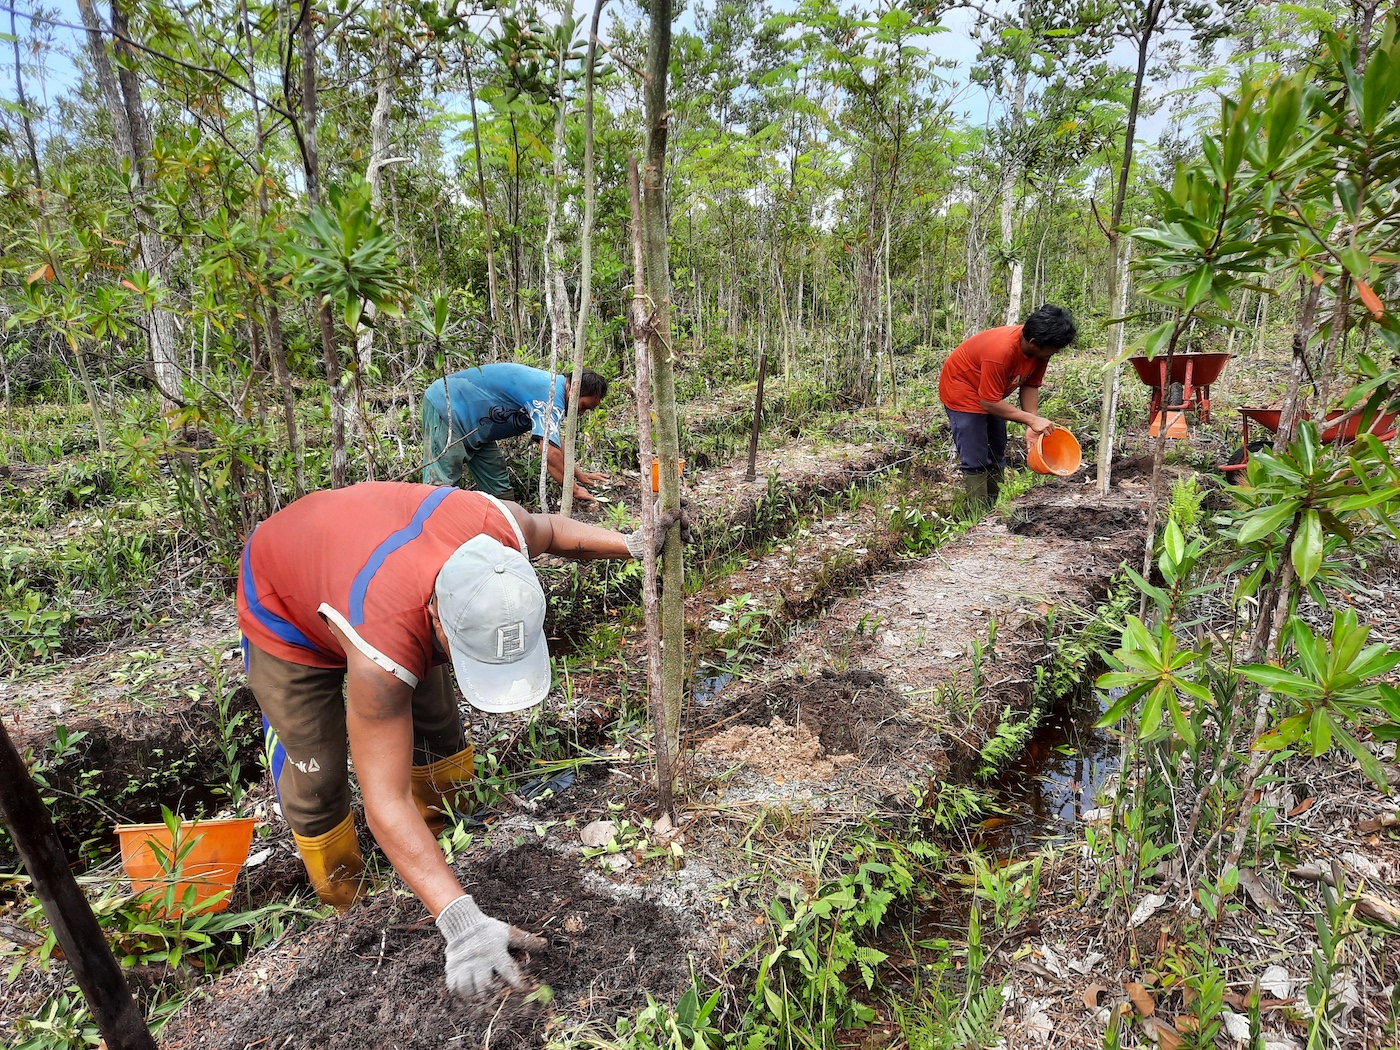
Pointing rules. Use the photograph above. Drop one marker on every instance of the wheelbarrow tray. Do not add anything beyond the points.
(1383, 427)
(1205, 368)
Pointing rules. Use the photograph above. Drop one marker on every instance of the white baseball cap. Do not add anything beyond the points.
(492, 610)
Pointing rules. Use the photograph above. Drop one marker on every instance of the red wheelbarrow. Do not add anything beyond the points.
(1187, 390)
(1382, 427)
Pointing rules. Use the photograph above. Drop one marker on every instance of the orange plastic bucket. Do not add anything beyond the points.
(1055, 453)
(656, 473)
(213, 855)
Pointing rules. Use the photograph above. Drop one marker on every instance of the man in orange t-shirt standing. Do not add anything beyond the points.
(981, 374)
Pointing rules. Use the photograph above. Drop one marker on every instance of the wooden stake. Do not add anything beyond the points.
(68, 912)
(757, 417)
(651, 605)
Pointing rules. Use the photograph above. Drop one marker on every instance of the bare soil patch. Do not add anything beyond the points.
(911, 626)
(849, 714)
(374, 977)
(1088, 523)
(784, 752)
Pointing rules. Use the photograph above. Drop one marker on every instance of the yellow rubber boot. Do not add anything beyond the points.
(334, 863)
(435, 786)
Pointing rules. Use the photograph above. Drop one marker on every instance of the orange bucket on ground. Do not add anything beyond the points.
(1055, 453)
(209, 855)
(656, 473)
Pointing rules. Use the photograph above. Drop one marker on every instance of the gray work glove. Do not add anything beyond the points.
(637, 543)
(478, 948)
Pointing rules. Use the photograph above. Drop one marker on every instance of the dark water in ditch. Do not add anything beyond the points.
(1056, 778)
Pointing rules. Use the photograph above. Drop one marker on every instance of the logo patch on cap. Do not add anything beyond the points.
(510, 641)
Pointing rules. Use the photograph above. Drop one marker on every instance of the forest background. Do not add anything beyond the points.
(175, 212)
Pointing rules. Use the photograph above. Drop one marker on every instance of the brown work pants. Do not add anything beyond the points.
(307, 749)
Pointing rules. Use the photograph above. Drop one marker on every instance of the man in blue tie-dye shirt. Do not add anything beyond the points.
(465, 417)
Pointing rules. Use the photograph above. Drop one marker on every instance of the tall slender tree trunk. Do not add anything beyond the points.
(788, 353)
(1108, 422)
(888, 296)
(1109, 402)
(378, 156)
(122, 91)
(492, 287)
(517, 275)
(656, 689)
(556, 295)
(585, 286)
(662, 360)
(311, 162)
(1010, 176)
(23, 101)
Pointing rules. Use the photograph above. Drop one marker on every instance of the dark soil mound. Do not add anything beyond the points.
(1077, 523)
(851, 712)
(1131, 467)
(374, 978)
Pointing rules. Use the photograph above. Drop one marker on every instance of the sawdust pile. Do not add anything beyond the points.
(778, 750)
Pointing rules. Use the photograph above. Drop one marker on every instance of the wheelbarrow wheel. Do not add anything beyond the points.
(1176, 393)
(1233, 476)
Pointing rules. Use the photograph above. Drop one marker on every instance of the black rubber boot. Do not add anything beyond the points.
(975, 487)
(995, 477)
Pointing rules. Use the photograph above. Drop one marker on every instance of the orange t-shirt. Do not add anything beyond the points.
(987, 367)
(367, 558)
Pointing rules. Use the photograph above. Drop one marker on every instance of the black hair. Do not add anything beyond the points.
(1050, 326)
(591, 384)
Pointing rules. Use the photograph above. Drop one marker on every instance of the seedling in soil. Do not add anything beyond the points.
(743, 636)
(1011, 889)
(635, 842)
(227, 723)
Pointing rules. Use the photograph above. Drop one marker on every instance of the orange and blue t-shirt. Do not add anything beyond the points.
(365, 558)
(988, 366)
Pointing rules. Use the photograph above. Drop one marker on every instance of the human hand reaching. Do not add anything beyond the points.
(636, 541)
(478, 948)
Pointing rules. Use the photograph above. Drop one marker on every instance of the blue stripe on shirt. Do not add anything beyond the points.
(283, 629)
(395, 540)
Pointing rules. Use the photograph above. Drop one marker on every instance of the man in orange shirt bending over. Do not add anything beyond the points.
(981, 374)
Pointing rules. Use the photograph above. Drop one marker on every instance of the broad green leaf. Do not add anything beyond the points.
(1277, 680)
(1173, 542)
(1180, 722)
(1266, 521)
(1197, 288)
(1152, 711)
(1307, 547)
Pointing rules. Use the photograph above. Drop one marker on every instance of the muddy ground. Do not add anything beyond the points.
(373, 977)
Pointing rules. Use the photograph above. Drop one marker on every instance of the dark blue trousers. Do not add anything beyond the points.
(980, 439)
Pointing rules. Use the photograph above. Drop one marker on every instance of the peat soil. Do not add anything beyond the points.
(373, 977)
(1076, 522)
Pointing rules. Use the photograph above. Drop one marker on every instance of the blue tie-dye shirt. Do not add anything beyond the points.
(491, 402)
